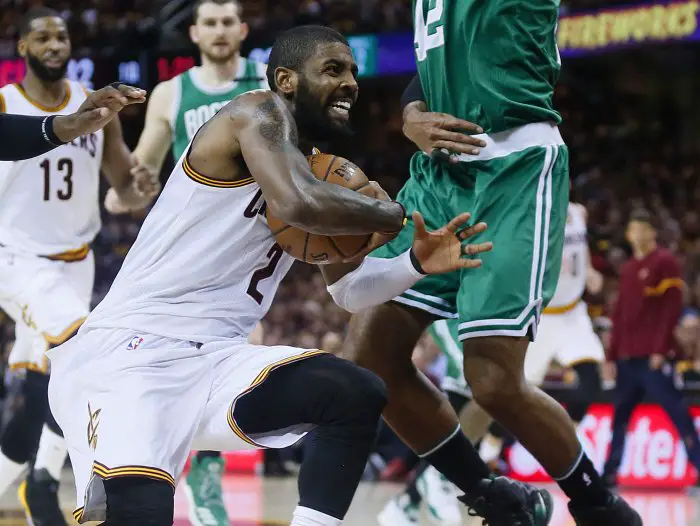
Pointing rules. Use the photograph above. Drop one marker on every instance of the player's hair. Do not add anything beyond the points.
(294, 47)
(642, 215)
(25, 25)
(200, 3)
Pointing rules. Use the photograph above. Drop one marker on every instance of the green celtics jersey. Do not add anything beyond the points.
(195, 103)
(491, 62)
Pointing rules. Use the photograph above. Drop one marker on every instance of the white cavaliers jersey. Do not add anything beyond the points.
(204, 266)
(49, 204)
(574, 264)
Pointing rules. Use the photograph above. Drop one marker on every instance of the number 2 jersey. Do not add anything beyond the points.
(49, 205)
(491, 62)
(204, 267)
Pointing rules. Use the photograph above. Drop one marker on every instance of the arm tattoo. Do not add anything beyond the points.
(274, 127)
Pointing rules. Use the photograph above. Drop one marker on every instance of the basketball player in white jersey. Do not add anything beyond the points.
(176, 110)
(163, 365)
(49, 214)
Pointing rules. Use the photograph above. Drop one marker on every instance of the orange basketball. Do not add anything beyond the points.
(314, 248)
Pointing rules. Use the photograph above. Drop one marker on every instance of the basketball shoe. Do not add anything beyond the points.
(39, 497)
(616, 512)
(399, 511)
(503, 502)
(204, 493)
(440, 496)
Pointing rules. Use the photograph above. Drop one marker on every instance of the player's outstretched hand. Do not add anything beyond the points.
(443, 250)
(98, 109)
(432, 131)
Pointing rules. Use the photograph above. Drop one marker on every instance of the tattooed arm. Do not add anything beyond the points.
(268, 140)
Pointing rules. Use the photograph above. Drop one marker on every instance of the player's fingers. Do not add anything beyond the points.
(478, 248)
(472, 231)
(419, 224)
(456, 147)
(450, 122)
(131, 92)
(458, 222)
(469, 263)
(456, 137)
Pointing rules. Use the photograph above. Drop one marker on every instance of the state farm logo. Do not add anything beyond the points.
(654, 454)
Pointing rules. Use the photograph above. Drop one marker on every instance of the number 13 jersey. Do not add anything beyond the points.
(204, 267)
(49, 204)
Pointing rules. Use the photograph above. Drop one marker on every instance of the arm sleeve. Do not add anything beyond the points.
(413, 92)
(668, 305)
(24, 137)
(376, 281)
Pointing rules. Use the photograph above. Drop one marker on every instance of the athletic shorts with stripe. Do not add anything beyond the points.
(519, 186)
(48, 300)
(135, 404)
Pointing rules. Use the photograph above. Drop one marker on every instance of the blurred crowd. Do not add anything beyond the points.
(93, 24)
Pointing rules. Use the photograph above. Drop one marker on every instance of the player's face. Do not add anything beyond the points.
(640, 233)
(218, 31)
(46, 48)
(326, 91)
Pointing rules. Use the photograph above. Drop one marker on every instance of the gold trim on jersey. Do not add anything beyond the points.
(67, 333)
(259, 380)
(132, 471)
(663, 286)
(208, 181)
(31, 366)
(37, 104)
(78, 514)
(3, 106)
(563, 309)
(71, 256)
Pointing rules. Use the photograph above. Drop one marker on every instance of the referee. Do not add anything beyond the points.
(24, 137)
(642, 347)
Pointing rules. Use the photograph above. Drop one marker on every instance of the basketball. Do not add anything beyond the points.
(314, 248)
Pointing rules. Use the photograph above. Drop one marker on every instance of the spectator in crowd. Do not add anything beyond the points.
(642, 348)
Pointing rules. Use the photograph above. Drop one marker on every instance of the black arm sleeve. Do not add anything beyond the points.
(24, 137)
(413, 92)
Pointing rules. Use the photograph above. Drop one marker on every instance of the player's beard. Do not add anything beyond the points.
(219, 59)
(45, 73)
(312, 119)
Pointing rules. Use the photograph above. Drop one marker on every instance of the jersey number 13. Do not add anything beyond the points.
(429, 31)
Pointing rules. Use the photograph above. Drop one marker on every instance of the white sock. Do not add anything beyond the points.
(9, 473)
(490, 448)
(51, 454)
(308, 517)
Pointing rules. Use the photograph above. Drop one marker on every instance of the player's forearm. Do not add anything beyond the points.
(375, 281)
(329, 209)
(26, 137)
(594, 281)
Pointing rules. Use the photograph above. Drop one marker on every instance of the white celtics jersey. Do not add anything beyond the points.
(49, 204)
(574, 264)
(204, 267)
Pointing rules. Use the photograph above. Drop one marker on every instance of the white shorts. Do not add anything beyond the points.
(48, 300)
(566, 338)
(136, 404)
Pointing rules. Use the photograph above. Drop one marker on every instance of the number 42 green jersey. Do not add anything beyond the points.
(491, 62)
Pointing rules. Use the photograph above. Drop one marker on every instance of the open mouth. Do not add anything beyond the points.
(53, 62)
(340, 109)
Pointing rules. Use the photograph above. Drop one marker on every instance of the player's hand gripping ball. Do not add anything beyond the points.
(326, 250)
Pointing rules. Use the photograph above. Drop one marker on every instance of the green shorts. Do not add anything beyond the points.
(523, 197)
(445, 335)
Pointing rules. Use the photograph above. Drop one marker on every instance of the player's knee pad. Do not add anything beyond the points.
(21, 435)
(139, 501)
(589, 387)
(361, 396)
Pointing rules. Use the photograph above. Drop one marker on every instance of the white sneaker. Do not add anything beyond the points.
(441, 498)
(399, 511)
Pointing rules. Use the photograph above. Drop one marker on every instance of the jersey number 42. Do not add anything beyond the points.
(429, 31)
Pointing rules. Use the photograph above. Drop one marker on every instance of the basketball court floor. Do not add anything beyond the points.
(253, 501)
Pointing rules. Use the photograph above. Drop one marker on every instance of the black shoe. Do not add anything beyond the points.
(610, 481)
(39, 497)
(615, 513)
(504, 502)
